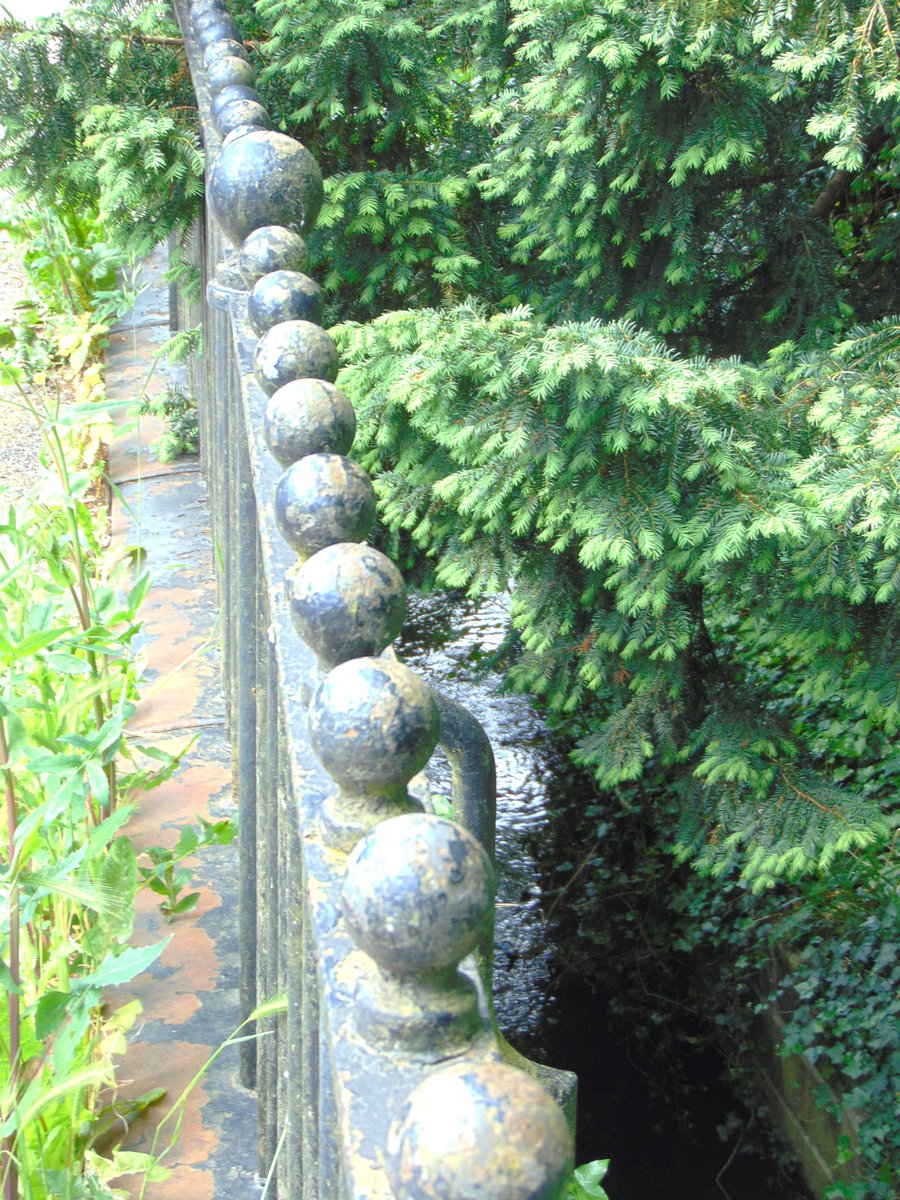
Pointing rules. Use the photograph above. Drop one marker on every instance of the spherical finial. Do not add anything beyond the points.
(232, 136)
(234, 91)
(272, 248)
(214, 28)
(479, 1131)
(266, 178)
(284, 296)
(294, 350)
(237, 113)
(206, 11)
(347, 601)
(224, 47)
(308, 416)
(418, 894)
(228, 70)
(323, 499)
(373, 724)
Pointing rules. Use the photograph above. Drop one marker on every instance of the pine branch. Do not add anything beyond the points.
(839, 184)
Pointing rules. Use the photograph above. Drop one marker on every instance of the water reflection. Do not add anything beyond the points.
(446, 638)
(667, 1147)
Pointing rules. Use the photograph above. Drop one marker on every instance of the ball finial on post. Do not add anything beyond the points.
(283, 296)
(417, 896)
(272, 248)
(480, 1131)
(373, 725)
(323, 499)
(308, 416)
(347, 601)
(294, 350)
(264, 178)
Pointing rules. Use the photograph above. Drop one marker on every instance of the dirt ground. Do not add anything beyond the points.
(19, 437)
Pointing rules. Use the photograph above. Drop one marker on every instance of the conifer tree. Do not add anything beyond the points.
(705, 555)
(703, 550)
(99, 116)
(383, 93)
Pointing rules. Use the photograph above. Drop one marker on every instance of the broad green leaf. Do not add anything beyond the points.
(122, 967)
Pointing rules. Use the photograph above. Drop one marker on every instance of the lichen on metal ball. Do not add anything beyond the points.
(266, 178)
(308, 416)
(294, 350)
(284, 296)
(272, 248)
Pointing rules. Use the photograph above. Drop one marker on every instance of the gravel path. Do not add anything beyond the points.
(19, 438)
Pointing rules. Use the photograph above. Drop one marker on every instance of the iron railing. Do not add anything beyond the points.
(385, 1075)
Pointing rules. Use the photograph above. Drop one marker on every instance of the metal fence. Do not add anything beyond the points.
(385, 1075)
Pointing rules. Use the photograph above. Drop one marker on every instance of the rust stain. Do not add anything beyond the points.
(172, 1066)
(178, 801)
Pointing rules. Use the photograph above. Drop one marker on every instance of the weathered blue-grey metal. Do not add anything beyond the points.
(294, 350)
(201, 18)
(308, 416)
(323, 499)
(241, 113)
(347, 601)
(223, 47)
(265, 178)
(200, 8)
(214, 27)
(234, 91)
(230, 70)
(371, 915)
(417, 897)
(284, 296)
(479, 1131)
(272, 248)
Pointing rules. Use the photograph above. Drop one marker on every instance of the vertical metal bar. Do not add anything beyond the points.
(244, 736)
(265, 700)
(296, 987)
(283, 897)
(266, 1058)
(329, 1166)
(306, 1097)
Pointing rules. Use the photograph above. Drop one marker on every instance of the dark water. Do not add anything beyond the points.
(660, 1148)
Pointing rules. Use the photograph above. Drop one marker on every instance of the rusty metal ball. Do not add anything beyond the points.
(284, 296)
(418, 894)
(266, 178)
(323, 499)
(308, 416)
(294, 350)
(479, 1131)
(347, 601)
(373, 724)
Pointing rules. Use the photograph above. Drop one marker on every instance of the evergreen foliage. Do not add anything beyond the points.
(722, 173)
(670, 526)
(99, 116)
(703, 549)
(682, 164)
(383, 93)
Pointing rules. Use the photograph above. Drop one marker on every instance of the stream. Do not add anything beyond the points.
(664, 1148)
